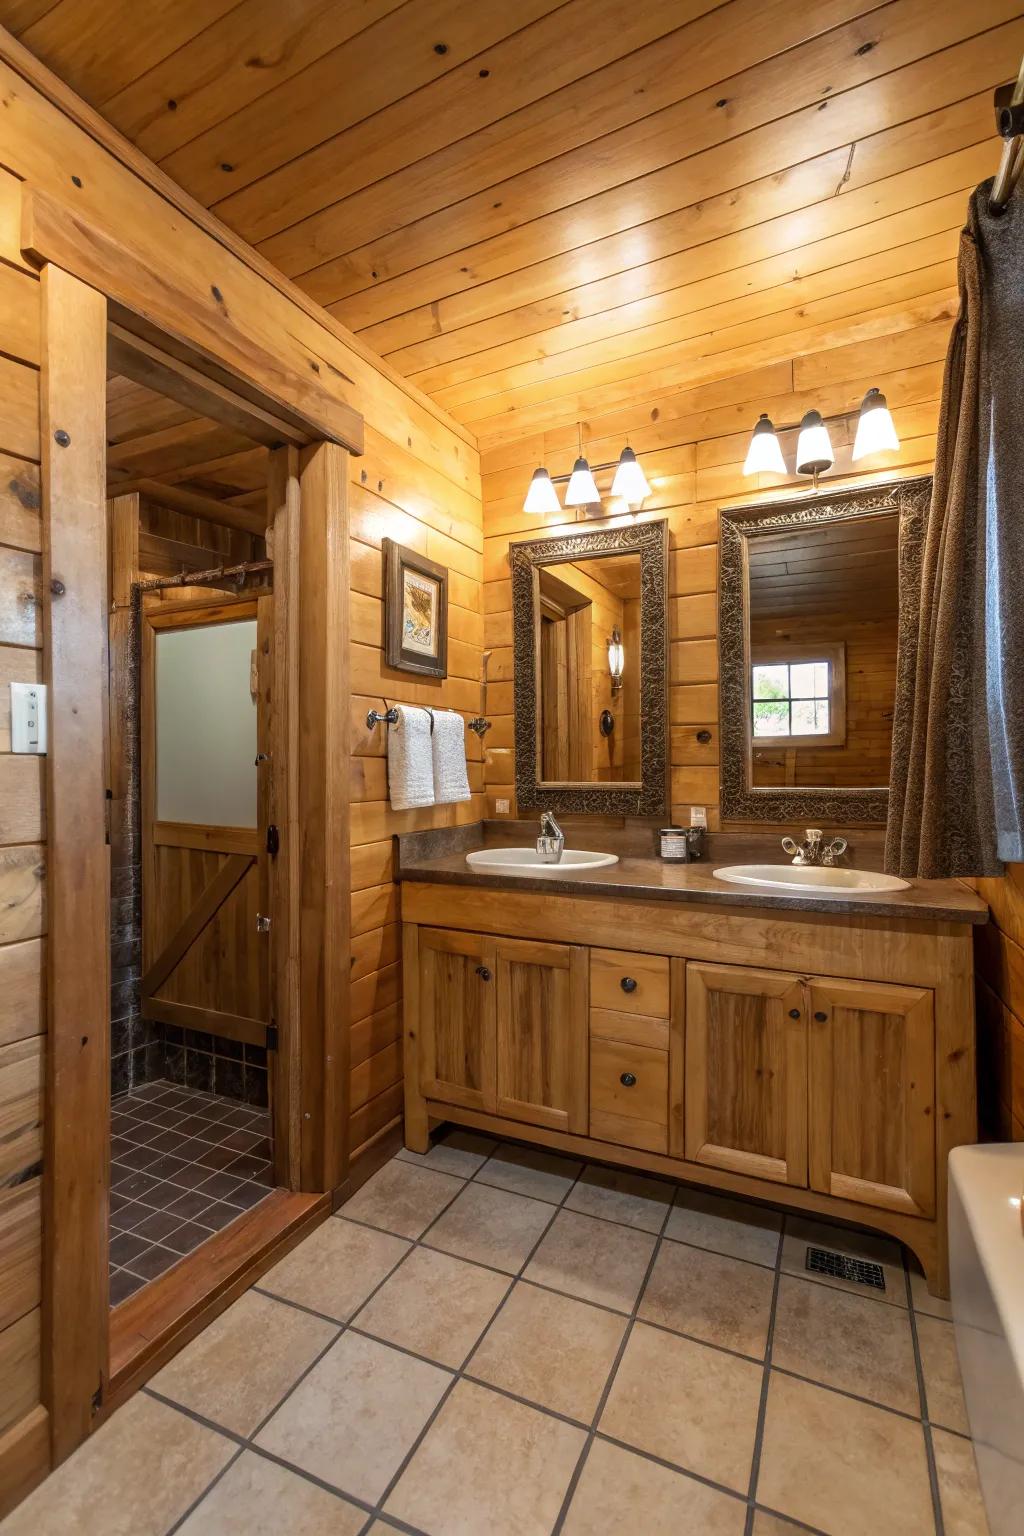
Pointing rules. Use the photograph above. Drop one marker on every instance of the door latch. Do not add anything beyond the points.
(262, 923)
(273, 841)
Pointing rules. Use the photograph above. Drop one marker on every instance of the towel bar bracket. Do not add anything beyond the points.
(374, 717)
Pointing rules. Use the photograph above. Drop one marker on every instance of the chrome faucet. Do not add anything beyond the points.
(551, 842)
(815, 850)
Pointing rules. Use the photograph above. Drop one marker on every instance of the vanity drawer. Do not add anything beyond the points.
(629, 983)
(629, 1094)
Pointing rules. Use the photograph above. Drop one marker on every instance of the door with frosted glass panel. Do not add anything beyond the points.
(206, 949)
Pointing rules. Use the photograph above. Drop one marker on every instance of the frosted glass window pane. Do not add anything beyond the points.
(206, 725)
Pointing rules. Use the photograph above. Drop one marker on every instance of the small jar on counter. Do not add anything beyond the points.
(681, 845)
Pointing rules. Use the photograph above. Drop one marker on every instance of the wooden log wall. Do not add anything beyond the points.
(999, 976)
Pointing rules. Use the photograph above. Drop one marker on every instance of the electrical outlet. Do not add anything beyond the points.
(698, 816)
(28, 717)
(501, 807)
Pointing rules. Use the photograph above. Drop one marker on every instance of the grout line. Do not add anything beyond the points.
(929, 1448)
(762, 1407)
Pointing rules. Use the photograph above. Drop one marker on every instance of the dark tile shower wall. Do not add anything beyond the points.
(211, 1064)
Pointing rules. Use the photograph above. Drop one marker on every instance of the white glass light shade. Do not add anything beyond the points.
(630, 481)
(814, 446)
(764, 456)
(616, 655)
(542, 496)
(582, 489)
(875, 430)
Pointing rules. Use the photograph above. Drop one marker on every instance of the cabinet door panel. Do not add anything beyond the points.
(457, 1011)
(746, 1072)
(542, 1033)
(872, 1097)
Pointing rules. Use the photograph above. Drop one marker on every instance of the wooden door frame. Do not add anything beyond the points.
(83, 287)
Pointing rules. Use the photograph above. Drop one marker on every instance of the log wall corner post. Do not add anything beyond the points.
(324, 812)
(75, 611)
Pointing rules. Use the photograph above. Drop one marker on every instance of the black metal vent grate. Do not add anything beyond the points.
(822, 1261)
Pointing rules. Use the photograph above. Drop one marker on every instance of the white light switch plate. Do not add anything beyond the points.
(28, 717)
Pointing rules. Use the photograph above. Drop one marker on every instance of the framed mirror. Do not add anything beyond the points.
(590, 668)
(817, 603)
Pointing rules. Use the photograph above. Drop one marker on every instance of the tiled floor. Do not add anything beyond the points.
(185, 1164)
(495, 1342)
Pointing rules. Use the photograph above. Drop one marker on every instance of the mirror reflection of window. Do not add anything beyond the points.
(589, 670)
(206, 725)
(823, 626)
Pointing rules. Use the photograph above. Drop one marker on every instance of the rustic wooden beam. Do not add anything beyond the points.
(206, 508)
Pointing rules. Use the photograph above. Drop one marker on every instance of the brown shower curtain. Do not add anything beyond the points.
(941, 820)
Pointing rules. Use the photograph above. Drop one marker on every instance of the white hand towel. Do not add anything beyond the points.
(410, 768)
(451, 780)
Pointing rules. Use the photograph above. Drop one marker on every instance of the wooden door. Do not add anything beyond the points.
(872, 1094)
(206, 946)
(746, 1072)
(456, 1016)
(542, 1036)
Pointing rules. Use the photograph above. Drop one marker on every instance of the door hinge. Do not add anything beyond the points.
(272, 1037)
(273, 841)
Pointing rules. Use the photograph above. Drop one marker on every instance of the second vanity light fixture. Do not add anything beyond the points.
(875, 434)
(630, 483)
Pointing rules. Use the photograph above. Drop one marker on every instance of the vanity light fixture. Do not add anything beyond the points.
(814, 446)
(630, 483)
(875, 430)
(616, 660)
(765, 452)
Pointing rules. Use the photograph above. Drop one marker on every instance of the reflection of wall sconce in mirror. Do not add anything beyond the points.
(616, 660)
(607, 722)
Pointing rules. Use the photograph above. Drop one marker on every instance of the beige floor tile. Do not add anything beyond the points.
(256, 1497)
(491, 1226)
(773, 1525)
(801, 1233)
(239, 1368)
(435, 1305)
(842, 1466)
(619, 1492)
(356, 1415)
(847, 1342)
(720, 1300)
(551, 1349)
(735, 1227)
(460, 1153)
(402, 1198)
(335, 1268)
(942, 1386)
(687, 1403)
(530, 1171)
(615, 1195)
(135, 1477)
(487, 1464)
(963, 1509)
(924, 1301)
(593, 1260)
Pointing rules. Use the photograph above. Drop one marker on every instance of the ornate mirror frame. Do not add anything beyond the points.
(740, 801)
(649, 797)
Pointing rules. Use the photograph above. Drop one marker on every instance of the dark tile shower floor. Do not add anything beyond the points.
(184, 1165)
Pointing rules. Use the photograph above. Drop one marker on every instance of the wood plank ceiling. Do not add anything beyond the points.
(545, 211)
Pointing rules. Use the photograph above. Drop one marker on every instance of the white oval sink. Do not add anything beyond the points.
(527, 861)
(820, 879)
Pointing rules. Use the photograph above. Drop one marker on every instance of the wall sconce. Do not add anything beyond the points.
(876, 433)
(616, 660)
(630, 483)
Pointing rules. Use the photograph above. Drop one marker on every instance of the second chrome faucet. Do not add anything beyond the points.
(815, 850)
(551, 843)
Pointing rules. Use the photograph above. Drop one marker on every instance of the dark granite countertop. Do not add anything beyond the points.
(440, 857)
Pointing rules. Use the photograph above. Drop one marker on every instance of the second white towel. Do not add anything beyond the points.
(448, 745)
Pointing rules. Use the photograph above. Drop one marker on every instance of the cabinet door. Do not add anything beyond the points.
(746, 1072)
(872, 1094)
(456, 1016)
(542, 1033)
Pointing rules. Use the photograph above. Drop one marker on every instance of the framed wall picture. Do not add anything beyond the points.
(415, 612)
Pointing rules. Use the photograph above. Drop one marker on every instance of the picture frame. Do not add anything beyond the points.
(415, 612)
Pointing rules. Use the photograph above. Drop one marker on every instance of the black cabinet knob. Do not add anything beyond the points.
(822, 1018)
(794, 1013)
(628, 1079)
(628, 984)
(483, 973)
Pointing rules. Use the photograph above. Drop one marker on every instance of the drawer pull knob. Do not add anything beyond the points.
(628, 983)
(794, 1013)
(628, 1079)
(483, 973)
(822, 1018)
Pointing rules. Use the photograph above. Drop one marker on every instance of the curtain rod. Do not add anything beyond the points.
(1009, 104)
